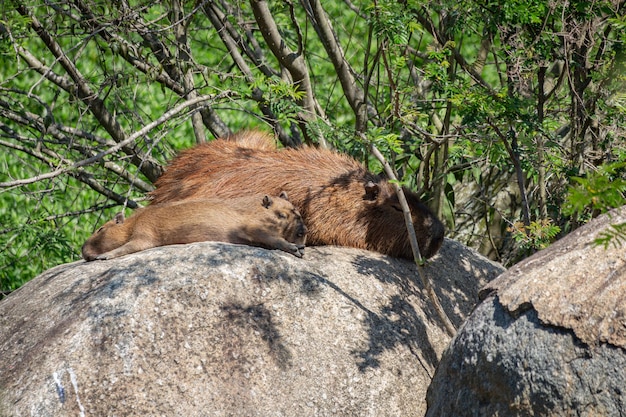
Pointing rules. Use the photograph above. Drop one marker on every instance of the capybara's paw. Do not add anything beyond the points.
(295, 250)
(298, 251)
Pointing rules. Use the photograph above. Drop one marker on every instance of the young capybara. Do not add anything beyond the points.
(340, 201)
(272, 223)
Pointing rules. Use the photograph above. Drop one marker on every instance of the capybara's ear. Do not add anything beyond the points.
(267, 201)
(119, 218)
(283, 195)
(371, 190)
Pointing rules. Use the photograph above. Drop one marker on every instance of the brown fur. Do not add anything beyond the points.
(340, 201)
(253, 139)
(257, 221)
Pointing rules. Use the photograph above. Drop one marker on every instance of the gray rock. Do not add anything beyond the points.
(212, 329)
(549, 339)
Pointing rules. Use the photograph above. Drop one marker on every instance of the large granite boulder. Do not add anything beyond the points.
(212, 329)
(549, 338)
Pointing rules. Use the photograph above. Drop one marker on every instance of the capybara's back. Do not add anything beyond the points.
(340, 201)
(253, 139)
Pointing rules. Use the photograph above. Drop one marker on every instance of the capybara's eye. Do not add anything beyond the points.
(397, 208)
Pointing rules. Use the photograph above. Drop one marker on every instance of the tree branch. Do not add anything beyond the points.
(427, 23)
(227, 33)
(149, 167)
(55, 131)
(513, 152)
(323, 28)
(80, 174)
(294, 63)
(185, 60)
(129, 52)
(165, 117)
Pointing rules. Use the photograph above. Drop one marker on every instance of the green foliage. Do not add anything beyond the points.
(387, 142)
(276, 89)
(437, 68)
(619, 23)
(35, 234)
(619, 101)
(392, 22)
(537, 235)
(31, 248)
(524, 12)
(281, 97)
(600, 191)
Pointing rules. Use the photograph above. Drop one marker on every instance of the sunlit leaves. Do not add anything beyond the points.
(537, 235)
(599, 191)
(392, 22)
(280, 96)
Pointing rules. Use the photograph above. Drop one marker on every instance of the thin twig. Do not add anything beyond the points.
(414, 245)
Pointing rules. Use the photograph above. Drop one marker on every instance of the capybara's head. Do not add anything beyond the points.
(287, 218)
(389, 231)
(108, 237)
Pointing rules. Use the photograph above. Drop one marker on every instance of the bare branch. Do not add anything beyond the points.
(80, 173)
(294, 21)
(64, 135)
(86, 178)
(149, 167)
(220, 23)
(185, 60)
(513, 151)
(428, 24)
(170, 79)
(165, 117)
(125, 49)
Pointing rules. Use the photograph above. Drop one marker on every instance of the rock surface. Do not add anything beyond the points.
(549, 339)
(226, 330)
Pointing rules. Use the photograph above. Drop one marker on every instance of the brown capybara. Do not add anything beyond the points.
(340, 201)
(256, 220)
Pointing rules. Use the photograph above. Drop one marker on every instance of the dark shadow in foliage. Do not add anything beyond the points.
(90, 295)
(397, 324)
(259, 319)
(30, 349)
(106, 285)
(310, 283)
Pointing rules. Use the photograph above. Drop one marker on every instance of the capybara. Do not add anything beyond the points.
(272, 223)
(340, 201)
